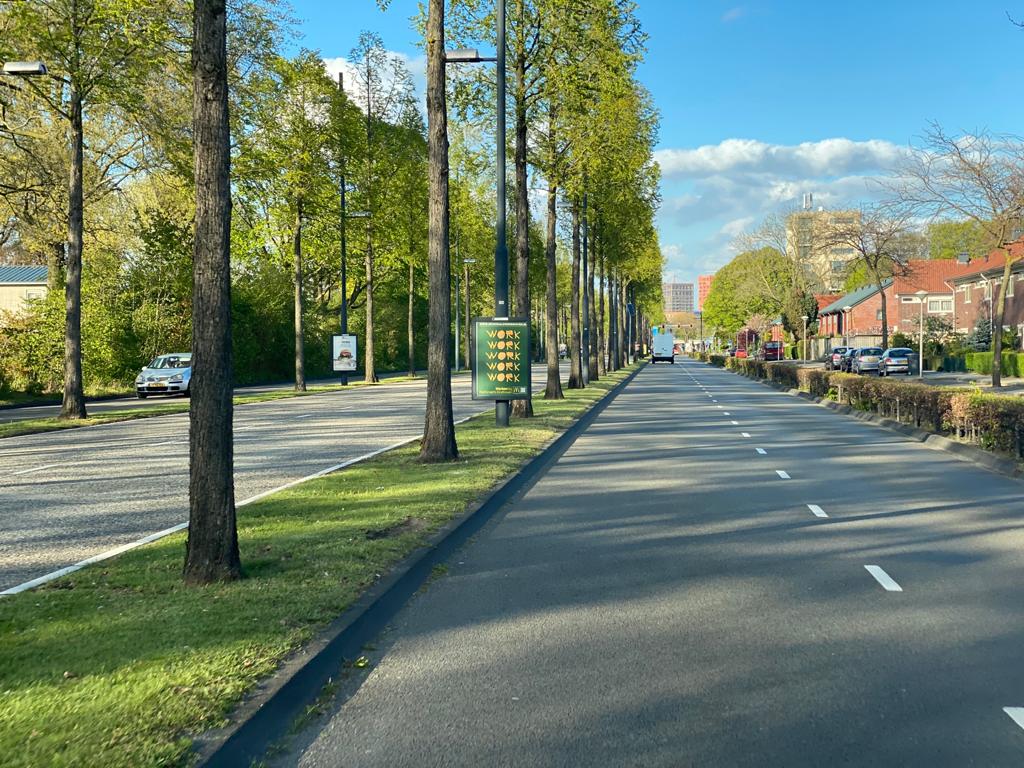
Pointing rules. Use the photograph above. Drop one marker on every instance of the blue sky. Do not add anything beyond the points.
(764, 100)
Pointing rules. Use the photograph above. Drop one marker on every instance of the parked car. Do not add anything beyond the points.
(833, 358)
(774, 350)
(846, 361)
(165, 375)
(897, 360)
(866, 359)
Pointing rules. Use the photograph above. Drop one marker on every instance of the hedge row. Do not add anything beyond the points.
(1012, 363)
(995, 422)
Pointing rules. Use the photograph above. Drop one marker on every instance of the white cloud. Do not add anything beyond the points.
(415, 65)
(819, 158)
(714, 193)
(733, 14)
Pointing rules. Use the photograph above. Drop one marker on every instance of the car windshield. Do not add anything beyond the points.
(171, 361)
(899, 352)
(870, 351)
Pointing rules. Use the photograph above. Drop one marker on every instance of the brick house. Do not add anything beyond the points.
(934, 277)
(860, 326)
(975, 288)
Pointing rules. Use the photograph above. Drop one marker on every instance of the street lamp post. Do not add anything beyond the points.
(501, 268)
(469, 351)
(805, 318)
(920, 334)
(846, 325)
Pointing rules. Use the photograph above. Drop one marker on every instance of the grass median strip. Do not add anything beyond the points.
(33, 426)
(120, 664)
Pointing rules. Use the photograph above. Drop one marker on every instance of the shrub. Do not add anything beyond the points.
(996, 422)
(813, 380)
(783, 373)
(716, 360)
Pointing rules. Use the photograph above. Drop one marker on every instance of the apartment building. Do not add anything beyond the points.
(678, 297)
(809, 242)
(703, 288)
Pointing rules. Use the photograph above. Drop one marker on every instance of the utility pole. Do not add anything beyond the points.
(501, 273)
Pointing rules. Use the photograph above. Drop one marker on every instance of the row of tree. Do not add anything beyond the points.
(949, 196)
(191, 186)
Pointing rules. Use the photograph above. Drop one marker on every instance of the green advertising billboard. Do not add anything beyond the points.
(501, 359)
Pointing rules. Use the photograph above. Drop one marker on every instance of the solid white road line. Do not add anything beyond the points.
(744, 434)
(761, 451)
(883, 578)
(783, 474)
(1016, 714)
(34, 469)
(818, 511)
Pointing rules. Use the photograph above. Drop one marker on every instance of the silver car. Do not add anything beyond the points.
(897, 360)
(866, 359)
(166, 375)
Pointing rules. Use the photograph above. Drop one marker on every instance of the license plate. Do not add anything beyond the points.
(157, 385)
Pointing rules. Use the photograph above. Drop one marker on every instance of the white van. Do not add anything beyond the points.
(664, 348)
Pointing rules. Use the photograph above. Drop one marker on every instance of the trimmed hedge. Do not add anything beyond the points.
(1012, 363)
(995, 422)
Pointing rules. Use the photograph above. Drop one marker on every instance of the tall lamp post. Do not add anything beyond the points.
(846, 325)
(920, 334)
(805, 318)
(466, 263)
(458, 299)
(501, 268)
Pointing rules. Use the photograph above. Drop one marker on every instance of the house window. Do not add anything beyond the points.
(907, 300)
(878, 314)
(967, 293)
(1009, 289)
(940, 305)
(33, 293)
(838, 266)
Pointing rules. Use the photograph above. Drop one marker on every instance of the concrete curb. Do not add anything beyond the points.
(267, 714)
(969, 453)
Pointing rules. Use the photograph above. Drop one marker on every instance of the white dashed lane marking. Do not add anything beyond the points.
(761, 451)
(818, 511)
(1016, 714)
(744, 434)
(883, 578)
(782, 473)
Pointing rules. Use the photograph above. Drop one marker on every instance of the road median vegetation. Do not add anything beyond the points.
(992, 422)
(120, 664)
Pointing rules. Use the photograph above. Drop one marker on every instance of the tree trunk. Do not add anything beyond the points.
(885, 316)
(603, 358)
(73, 406)
(553, 390)
(575, 351)
(523, 407)
(211, 552)
(369, 369)
(592, 307)
(467, 322)
(409, 327)
(438, 442)
(300, 348)
(997, 323)
(620, 345)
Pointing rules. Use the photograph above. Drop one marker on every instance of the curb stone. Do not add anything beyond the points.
(969, 453)
(266, 714)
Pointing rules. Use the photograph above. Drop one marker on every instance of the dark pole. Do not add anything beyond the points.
(585, 351)
(501, 275)
(344, 253)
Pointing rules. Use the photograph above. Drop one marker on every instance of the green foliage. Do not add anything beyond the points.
(758, 282)
(1011, 363)
(949, 239)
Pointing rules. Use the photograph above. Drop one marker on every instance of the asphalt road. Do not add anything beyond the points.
(99, 406)
(667, 595)
(69, 495)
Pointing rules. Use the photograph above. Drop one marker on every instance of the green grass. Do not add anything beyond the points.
(120, 664)
(52, 424)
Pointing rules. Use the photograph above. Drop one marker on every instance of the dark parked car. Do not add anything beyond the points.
(897, 360)
(865, 359)
(832, 358)
(846, 361)
(774, 350)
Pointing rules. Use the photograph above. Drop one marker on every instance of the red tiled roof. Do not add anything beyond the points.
(995, 260)
(824, 299)
(930, 275)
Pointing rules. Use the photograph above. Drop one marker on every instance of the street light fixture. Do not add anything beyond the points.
(846, 325)
(502, 408)
(24, 69)
(920, 337)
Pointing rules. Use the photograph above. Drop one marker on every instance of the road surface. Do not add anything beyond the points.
(69, 495)
(715, 574)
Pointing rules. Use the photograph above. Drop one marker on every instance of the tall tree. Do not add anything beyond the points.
(575, 344)
(212, 547)
(977, 179)
(438, 442)
(100, 54)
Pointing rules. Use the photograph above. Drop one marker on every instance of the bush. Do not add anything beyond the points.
(996, 422)
(981, 362)
(783, 373)
(716, 360)
(813, 380)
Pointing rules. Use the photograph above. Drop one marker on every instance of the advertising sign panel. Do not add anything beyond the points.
(343, 352)
(501, 359)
